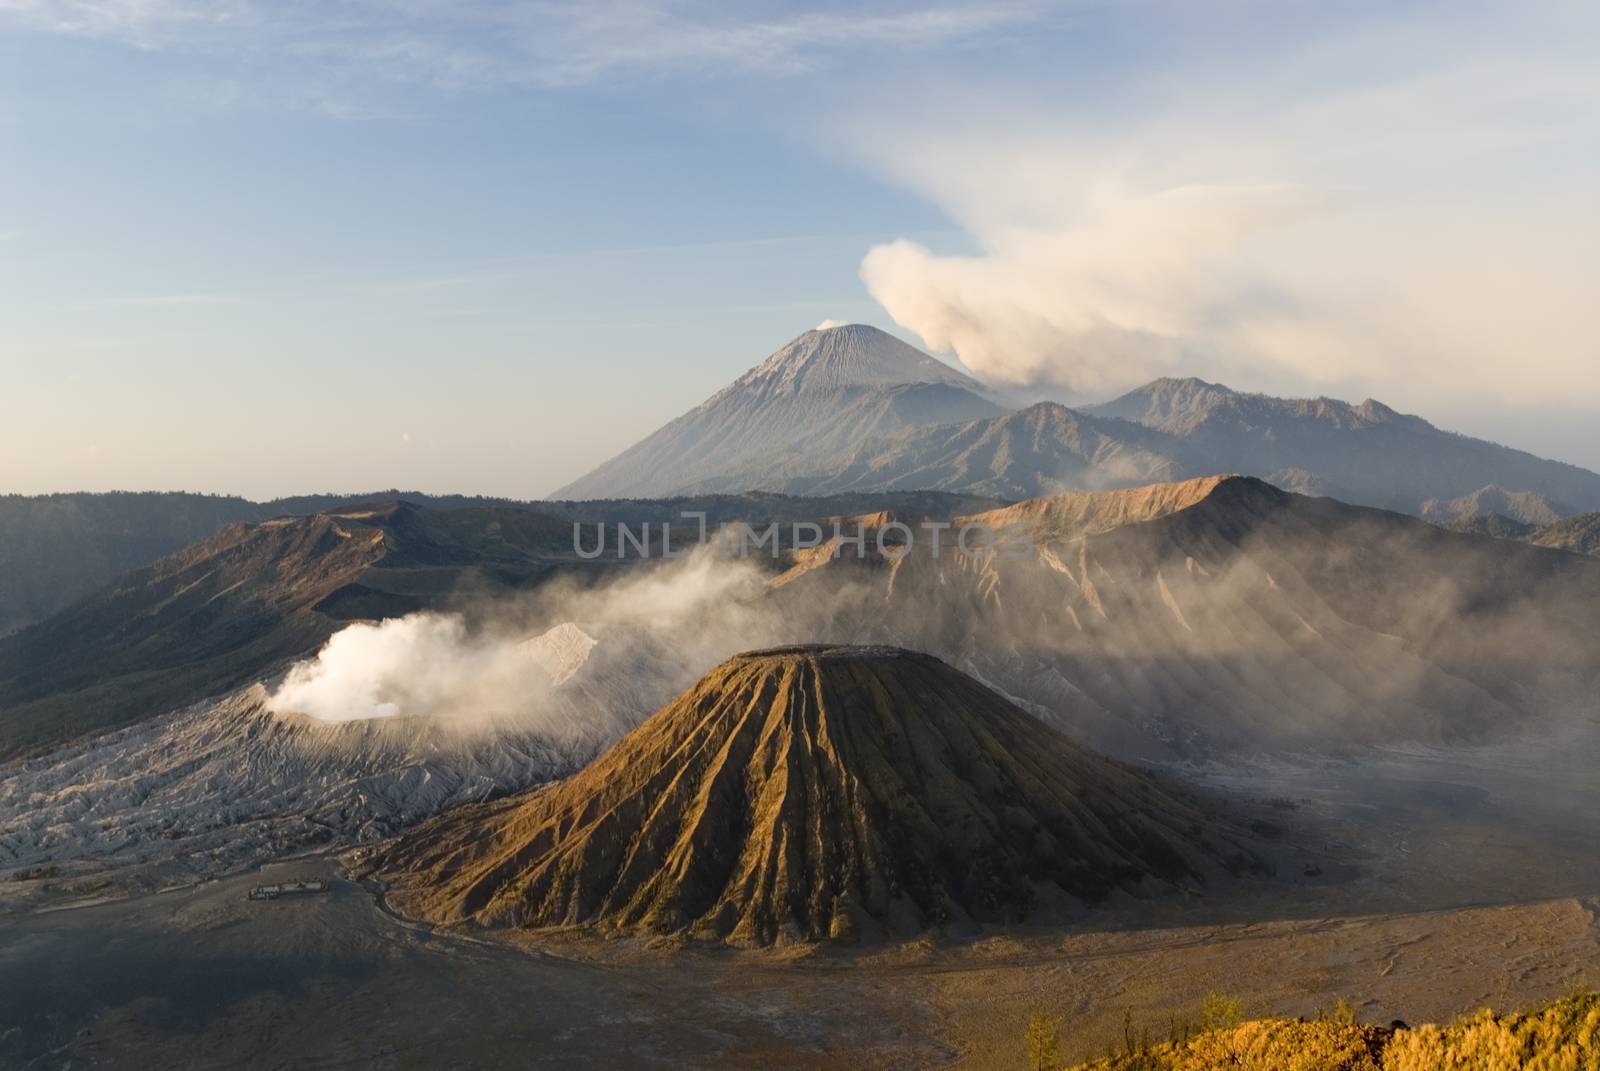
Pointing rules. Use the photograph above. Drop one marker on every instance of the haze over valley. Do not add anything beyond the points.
(1151, 621)
(1340, 705)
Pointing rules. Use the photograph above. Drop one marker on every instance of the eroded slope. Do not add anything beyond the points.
(810, 793)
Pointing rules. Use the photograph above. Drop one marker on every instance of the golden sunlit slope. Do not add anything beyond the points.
(811, 793)
(1081, 513)
(1561, 1036)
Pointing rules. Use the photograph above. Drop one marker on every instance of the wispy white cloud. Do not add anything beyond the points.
(146, 23)
(551, 44)
(652, 39)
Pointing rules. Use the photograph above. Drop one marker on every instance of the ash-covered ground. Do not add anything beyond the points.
(228, 784)
(1452, 878)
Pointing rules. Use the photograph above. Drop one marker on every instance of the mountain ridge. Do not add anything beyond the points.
(222, 612)
(1366, 453)
(1524, 507)
(1578, 534)
(1224, 615)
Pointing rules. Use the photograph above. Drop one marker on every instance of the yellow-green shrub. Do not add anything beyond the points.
(1561, 1036)
(1564, 1036)
(1261, 1045)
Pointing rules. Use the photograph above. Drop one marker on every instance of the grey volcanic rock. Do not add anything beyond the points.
(228, 783)
(826, 390)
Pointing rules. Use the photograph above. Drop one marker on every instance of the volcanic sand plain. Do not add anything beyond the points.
(1442, 880)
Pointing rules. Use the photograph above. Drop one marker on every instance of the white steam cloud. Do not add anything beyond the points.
(1087, 307)
(1401, 214)
(657, 629)
(418, 664)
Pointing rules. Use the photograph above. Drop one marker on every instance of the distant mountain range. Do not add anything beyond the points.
(841, 422)
(1365, 454)
(854, 409)
(1579, 534)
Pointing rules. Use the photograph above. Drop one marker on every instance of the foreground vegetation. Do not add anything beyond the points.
(1561, 1036)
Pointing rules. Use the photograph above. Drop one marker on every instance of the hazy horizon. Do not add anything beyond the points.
(479, 248)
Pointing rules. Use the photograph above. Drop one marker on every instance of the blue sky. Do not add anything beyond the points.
(480, 246)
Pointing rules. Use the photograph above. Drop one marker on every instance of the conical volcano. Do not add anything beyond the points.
(805, 405)
(810, 793)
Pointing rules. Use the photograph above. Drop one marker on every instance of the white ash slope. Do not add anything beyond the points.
(228, 783)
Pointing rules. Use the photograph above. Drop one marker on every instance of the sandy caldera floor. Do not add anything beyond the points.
(1454, 879)
(203, 978)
